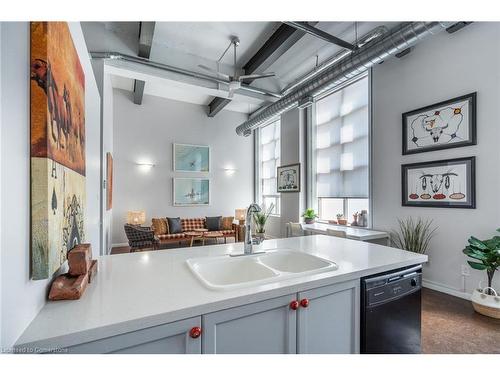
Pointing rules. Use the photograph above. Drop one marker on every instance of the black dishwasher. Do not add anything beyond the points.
(390, 311)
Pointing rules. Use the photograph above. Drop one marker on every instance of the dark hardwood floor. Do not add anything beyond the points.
(449, 324)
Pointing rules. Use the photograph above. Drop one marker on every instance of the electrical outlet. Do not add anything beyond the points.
(465, 270)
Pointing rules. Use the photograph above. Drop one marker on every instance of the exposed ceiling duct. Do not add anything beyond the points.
(397, 40)
(365, 39)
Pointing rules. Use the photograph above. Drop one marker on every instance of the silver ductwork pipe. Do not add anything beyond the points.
(174, 69)
(365, 39)
(397, 40)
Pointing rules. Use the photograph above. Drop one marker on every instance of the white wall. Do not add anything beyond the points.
(22, 298)
(107, 146)
(442, 67)
(146, 132)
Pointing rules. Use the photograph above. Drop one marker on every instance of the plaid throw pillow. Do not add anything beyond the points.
(160, 226)
(227, 223)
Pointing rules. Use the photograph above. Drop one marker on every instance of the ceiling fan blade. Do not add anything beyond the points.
(222, 75)
(256, 76)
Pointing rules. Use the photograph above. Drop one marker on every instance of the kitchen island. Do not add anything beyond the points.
(151, 302)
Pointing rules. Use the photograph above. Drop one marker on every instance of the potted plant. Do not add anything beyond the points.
(413, 235)
(486, 257)
(260, 220)
(341, 219)
(309, 216)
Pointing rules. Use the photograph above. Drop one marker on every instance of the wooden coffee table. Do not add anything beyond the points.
(195, 235)
(200, 230)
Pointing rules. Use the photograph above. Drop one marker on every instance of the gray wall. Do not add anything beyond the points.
(440, 68)
(22, 298)
(148, 131)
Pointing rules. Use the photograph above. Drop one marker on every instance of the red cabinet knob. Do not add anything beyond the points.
(304, 302)
(195, 332)
(294, 305)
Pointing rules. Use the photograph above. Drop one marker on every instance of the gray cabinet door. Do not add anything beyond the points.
(266, 327)
(330, 323)
(171, 338)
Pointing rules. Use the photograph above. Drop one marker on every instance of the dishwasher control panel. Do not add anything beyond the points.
(383, 289)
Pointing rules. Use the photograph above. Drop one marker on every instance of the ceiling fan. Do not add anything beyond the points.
(234, 82)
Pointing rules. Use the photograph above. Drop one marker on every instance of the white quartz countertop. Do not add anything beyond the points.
(140, 290)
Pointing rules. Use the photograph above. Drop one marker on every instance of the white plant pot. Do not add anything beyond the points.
(485, 304)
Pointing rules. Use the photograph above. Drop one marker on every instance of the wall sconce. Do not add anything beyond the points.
(229, 171)
(145, 167)
(136, 217)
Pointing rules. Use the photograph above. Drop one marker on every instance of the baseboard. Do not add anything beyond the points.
(445, 289)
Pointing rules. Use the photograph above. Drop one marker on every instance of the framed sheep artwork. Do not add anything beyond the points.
(443, 183)
(288, 180)
(439, 126)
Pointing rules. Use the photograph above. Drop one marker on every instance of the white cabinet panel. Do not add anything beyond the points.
(330, 323)
(171, 338)
(267, 327)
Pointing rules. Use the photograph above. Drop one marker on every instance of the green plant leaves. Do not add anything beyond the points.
(309, 214)
(413, 235)
(487, 251)
(477, 243)
(477, 266)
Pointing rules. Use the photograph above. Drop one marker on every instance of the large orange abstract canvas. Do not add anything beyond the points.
(57, 147)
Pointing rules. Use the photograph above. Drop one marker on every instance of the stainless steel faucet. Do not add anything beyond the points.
(249, 239)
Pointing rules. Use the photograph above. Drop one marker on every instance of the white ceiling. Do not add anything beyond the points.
(188, 44)
(210, 39)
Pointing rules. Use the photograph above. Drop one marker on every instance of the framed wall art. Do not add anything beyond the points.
(448, 124)
(191, 191)
(444, 183)
(191, 158)
(57, 106)
(288, 178)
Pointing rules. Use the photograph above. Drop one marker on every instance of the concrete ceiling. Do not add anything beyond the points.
(188, 44)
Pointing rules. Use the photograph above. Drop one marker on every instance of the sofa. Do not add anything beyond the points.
(161, 229)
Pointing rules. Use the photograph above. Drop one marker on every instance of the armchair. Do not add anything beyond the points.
(140, 237)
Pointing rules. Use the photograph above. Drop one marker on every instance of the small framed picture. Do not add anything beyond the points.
(191, 191)
(288, 178)
(444, 183)
(447, 124)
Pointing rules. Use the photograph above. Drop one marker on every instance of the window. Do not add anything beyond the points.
(340, 152)
(269, 159)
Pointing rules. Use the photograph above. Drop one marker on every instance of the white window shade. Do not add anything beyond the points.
(341, 143)
(269, 160)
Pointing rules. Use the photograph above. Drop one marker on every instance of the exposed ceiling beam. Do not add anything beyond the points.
(274, 47)
(146, 32)
(216, 105)
(304, 26)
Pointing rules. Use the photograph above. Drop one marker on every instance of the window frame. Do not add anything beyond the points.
(258, 194)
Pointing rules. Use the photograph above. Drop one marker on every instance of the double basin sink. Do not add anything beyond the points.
(225, 272)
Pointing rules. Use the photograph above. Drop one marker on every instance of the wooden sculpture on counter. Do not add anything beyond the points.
(82, 269)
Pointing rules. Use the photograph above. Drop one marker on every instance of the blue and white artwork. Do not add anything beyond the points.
(191, 158)
(191, 191)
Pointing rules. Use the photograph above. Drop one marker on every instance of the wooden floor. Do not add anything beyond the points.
(449, 324)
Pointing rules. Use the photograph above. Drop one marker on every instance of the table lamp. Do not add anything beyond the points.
(240, 214)
(136, 217)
